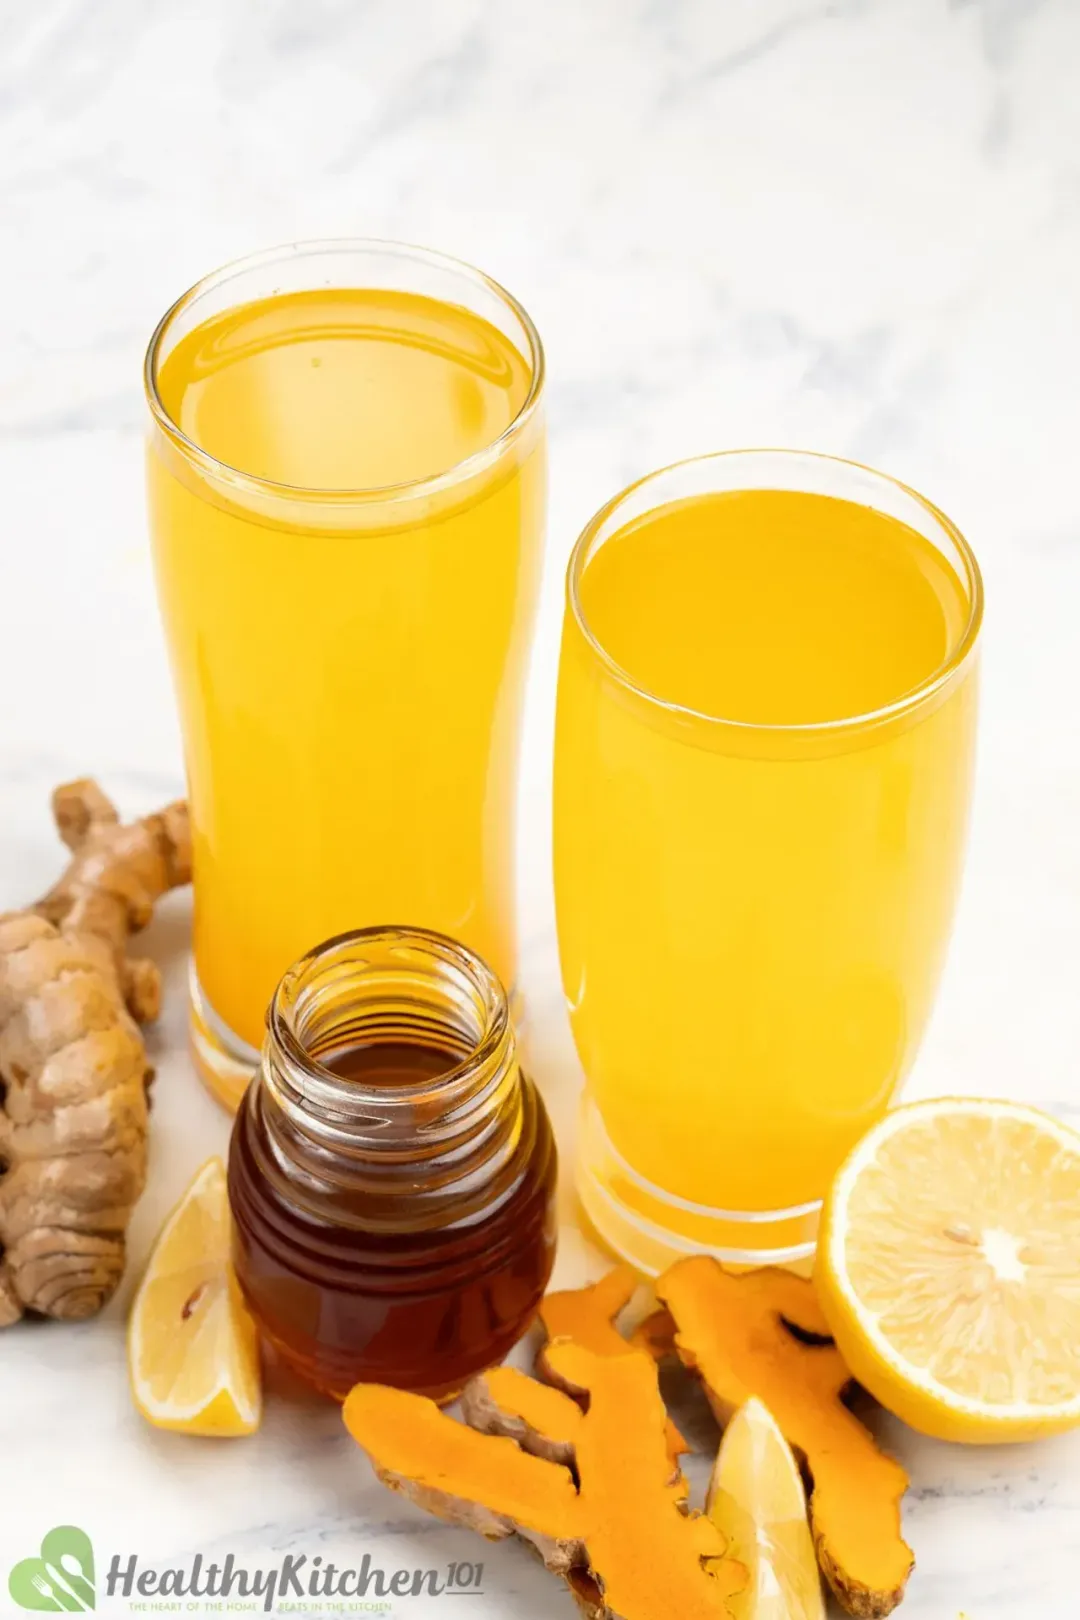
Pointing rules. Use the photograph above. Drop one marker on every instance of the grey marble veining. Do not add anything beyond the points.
(850, 225)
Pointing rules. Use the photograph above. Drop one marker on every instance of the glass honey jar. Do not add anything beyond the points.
(392, 1170)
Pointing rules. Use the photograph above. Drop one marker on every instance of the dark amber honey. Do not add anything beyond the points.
(394, 1210)
(390, 1063)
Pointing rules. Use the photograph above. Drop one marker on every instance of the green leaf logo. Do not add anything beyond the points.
(61, 1580)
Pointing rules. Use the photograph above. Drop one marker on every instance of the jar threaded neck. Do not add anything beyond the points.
(378, 986)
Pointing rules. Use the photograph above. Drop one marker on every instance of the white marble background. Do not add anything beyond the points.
(850, 225)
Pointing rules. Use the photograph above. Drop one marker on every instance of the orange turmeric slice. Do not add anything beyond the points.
(478, 1480)
(623, 1539)
(645, 1552)
(737, 1333)
(655, 1335)
(542, 1420)
(587, 1317)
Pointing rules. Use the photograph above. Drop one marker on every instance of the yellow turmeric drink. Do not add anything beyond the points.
(346, 491)
(763, 765)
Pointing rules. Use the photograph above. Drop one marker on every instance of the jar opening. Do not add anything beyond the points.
(386, 1026)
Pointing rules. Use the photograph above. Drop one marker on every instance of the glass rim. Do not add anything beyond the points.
(956, 657)
(371, 494)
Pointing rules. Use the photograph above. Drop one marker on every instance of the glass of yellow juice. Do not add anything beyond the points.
(346, 475)
(763, 765)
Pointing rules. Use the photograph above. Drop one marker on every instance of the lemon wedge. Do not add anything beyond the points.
(757, 1502)
(193, 1351)
(948, 1268)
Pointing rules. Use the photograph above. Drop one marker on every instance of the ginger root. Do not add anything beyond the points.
(736, 1332)
(587, 1316)
(73, 1066)
(616, 1528)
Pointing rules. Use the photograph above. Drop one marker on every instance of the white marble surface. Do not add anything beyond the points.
(852, 226)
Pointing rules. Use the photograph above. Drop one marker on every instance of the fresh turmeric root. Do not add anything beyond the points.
(616, 1528)
(587, 1317)
(735, 1331)
(73, 1066)
(542, 1420)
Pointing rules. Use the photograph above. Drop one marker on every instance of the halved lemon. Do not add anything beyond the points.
(948, 1268)
(757, 1502)
(193, 1350)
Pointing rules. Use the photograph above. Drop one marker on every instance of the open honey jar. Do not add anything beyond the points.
(392, 1170)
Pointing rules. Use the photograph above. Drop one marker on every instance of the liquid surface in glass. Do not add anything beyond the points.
(344, 388)
(773, 607)
(751, 931)
(349, 698)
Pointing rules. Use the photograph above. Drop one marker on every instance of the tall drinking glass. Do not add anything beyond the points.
(764, 750)
(346, 490)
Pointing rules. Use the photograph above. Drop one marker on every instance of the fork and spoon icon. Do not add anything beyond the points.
(61, 1579)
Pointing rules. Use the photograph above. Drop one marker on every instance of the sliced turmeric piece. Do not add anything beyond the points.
(587, 1595)
(655, 1335)
(479, 1480)
(645, 1551)
(542, 1420)
(587, 1317)
(622, 1537)
(734, 1331)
